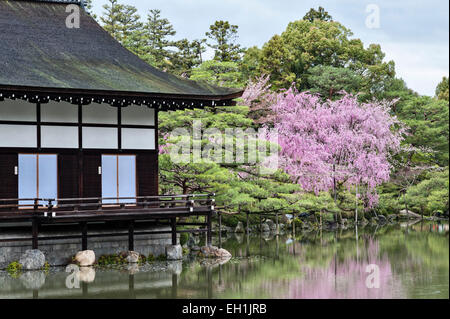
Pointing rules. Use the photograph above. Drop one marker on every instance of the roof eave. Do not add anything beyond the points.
(112, 97)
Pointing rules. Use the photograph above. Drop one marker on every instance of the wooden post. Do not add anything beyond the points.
(220, 230)
(208, 231)
(260, 224)
(131, 235)
(173, 224)
(174, 286)
(84, 287)
(248, 224)
(35, 226)
(278, 225)
(131, 286)
(84, 243)
(321, 219)
(293, 224)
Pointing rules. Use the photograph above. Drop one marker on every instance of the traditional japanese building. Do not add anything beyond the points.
(79, 112)
(79, 136)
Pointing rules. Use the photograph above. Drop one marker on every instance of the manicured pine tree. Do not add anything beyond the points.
(123, 23)
(319, 14)
(223, 36)
(188, 56)
(158, 31)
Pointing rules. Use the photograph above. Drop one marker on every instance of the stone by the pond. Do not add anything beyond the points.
(239, 228)
(222, 253)
(410, 214)
(392, 217)
(271, 224)
(265, 228)
(214, 252)
(382, 219)
(85, 258)
(213, 262)
(133, 257)
(33, 259)
(174, 252)
(86, 274)
(133, 269)
(175, 266)
(191, 242)
(33, 280)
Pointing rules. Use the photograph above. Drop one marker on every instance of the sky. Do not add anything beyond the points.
(413, 33)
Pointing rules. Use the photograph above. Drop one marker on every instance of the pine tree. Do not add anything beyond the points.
(88, 8)
(319, 14)
(188, 56)
(123, 23)
(157, 33)
(224, 36)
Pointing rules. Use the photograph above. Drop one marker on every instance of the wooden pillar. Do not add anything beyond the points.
(131, 235)
(260, 224)
(278, 225)
(173, 223)
(208, 231)
(248, 224)
(131, 293)
(293, 226)
(84, 241)
(35, 233)
(220, 230)
(174, 286)
(84, 288)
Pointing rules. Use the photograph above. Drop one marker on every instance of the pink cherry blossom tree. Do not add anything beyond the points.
(342, 142)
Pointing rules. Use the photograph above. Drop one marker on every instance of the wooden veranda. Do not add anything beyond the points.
(165, 210)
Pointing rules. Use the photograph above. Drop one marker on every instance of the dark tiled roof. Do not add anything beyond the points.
(38, 50)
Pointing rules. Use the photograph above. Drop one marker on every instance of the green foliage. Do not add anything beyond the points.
(188, 57)
(442, 89)
(114, 259)
(123, 23)
(431, 194)
(250, 63)
(305, 44)
(184, 237)
(14, 269)
(226, 74)
(319, 14)
(328, 81)
(427, 119)
(161, 258)
(223, 36)
(158, 30)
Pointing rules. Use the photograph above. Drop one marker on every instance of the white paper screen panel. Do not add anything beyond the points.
(17, 110)
(99, 114)
(138, 139)
(59, 112)
(18, 136)
(100, 137)
(59, 137)
(138, 115)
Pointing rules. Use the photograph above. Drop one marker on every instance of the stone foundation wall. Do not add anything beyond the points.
(60, 252)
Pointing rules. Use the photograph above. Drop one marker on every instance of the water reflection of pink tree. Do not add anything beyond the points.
(347, 279)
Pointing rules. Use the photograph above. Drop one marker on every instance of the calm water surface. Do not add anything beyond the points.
(410, 262)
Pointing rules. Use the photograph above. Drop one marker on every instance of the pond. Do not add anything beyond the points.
(395, 261)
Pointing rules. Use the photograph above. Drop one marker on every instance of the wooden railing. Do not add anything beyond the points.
(41, 211)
